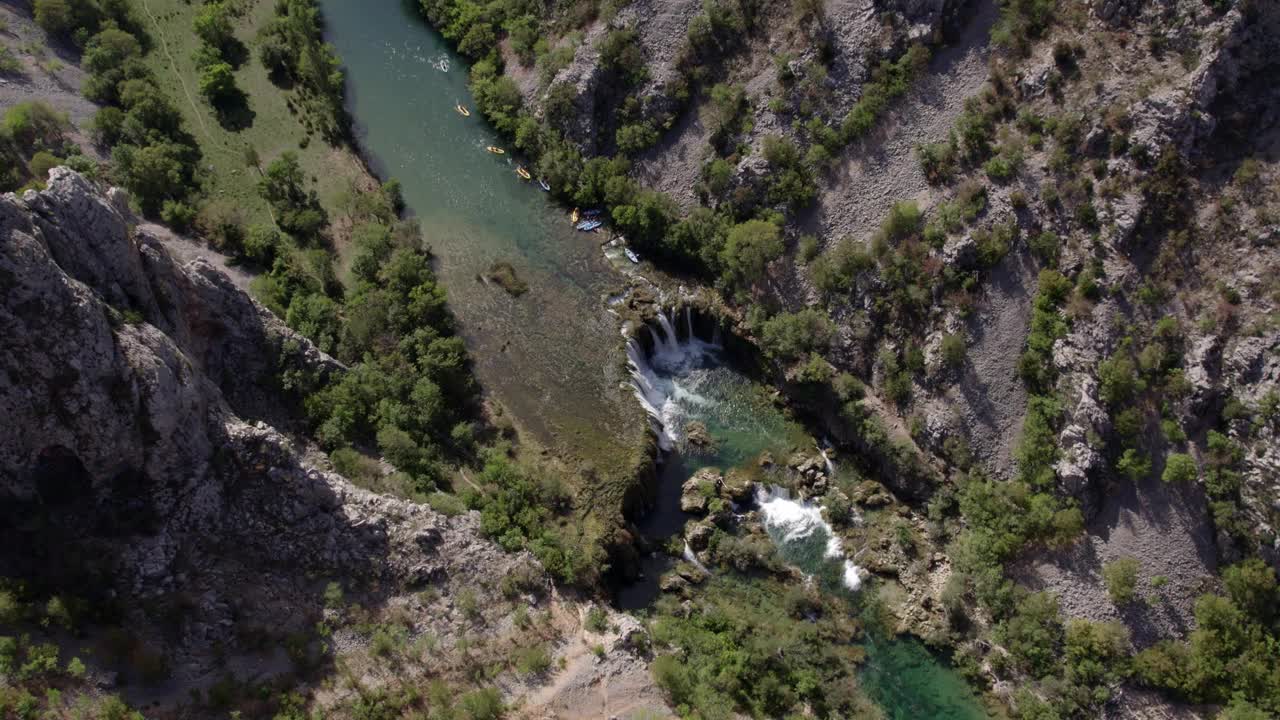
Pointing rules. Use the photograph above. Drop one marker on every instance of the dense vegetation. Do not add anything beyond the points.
(33, 140)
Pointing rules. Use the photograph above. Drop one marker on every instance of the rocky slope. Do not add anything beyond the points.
(138, 470)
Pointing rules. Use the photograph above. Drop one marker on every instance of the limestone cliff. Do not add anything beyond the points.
(135, 463)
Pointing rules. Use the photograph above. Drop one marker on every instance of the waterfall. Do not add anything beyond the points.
(657, 376)
(692, 559)
(651, 398)
(794, 523)
(831, 467)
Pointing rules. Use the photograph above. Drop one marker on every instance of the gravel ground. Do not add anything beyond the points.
(674, 166)
(1166, 528)
(990, 397)
(57, 82)
(882, 169)
(184, 250)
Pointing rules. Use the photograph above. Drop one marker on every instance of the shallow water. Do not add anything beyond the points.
(551, 355)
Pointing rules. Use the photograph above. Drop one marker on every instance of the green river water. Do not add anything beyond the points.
(552, 355)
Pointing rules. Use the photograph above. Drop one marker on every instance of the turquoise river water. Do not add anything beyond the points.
(552, 355)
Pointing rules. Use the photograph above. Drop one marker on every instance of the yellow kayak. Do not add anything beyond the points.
(573, 217)
(495, 150)
(524, 174)
(462, 110)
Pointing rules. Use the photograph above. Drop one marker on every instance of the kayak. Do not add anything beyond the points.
(462, 110)
(588, 225)
(524, 174)
(632, 256)
(495, 150)
(543, 184)
(592, 213)
(573, 216)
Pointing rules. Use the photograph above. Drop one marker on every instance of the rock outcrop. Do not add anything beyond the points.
(133, 461)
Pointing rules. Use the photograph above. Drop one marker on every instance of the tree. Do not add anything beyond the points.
(282, 183)
(789, 336)
(1179, 468)
(155, 173)
(1121, 578)
(1251, 584)
(218, 84)
(53, 16)
(749, 248)
(1033, 633)
(212, 24)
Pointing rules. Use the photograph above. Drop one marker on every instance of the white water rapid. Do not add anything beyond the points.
(790, 522)
(661, 378)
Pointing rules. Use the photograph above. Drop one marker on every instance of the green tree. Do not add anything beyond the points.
(54, 16)
(218, 84)
(1179, 468)
(1121, 579)
(1033, 634)
(789, 336)
(212, 24)
(749, 248)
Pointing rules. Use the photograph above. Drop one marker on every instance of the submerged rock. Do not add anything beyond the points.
(697, 435)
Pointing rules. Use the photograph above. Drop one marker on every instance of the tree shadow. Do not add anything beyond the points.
(235, 53)
(233, 112)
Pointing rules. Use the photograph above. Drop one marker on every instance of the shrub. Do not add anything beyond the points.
(636, 137)
(483, 704)
(789, 336)
(1121, 579)
(938, 161)
(1179, 468)
(749, 248)
(178, 215)
(597, 620)
(533, 660)
(1033, 635)
(953, 350)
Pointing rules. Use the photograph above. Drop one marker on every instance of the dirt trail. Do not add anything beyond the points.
(173, 66)
(882, 169)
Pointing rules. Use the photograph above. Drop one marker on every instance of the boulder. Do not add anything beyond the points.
(737, 487)
(698, 490)
(698, 535)
(698, 436)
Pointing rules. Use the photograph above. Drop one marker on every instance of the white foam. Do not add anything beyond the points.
(794, 520)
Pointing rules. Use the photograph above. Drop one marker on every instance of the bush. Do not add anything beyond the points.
(1033, 635)
(484, 704)
(790, 336)
(953, 350)
(1179, 468)
(749, 248)
(636, 137)
(533, 660)
(1121, 579)
(597, 620)
(178, 215)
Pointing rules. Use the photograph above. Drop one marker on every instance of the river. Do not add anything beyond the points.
(553, 355)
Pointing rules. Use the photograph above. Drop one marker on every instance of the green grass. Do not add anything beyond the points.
(273, 130)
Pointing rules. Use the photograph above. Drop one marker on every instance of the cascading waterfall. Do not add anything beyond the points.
(692, 559)
(795, 524)
(654, 376)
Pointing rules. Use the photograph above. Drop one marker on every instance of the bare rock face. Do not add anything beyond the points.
(133, 463)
